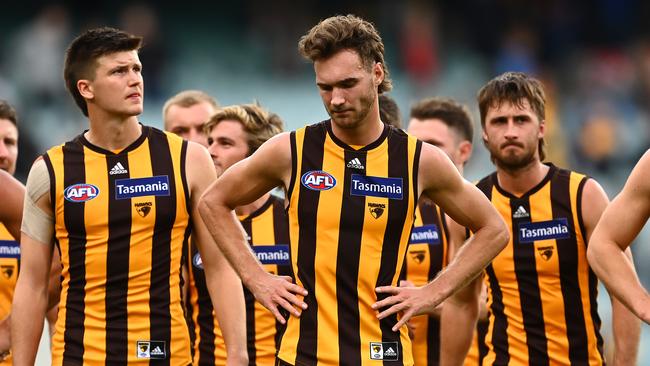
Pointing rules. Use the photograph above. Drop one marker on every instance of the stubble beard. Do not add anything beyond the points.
(512, 162)
(357, 115)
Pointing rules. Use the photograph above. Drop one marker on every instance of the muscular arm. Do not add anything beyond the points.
(460, 312)
(11, 210)
(224, 286)
(31, 295)
(241, 184)
(465, 204)
(621, 223)
(625, 324)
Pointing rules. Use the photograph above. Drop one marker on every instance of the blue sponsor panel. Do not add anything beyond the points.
(545, 230)
(318, 180)
(9, 249)
(138, 187)
(425, 234)
(272, 254)
(366, 185)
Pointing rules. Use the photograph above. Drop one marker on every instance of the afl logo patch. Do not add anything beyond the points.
(197, 261)
(81, 192)
(318, 180)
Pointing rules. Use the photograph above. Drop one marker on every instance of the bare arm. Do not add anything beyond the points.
(460, 312)
(31, 295)
(621, 223)
(11, 210)
(242, 183)
(224, 286)
(466, 205)
(625, 325)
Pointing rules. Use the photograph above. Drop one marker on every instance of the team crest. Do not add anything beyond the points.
(376, 209)
(418, 256)
(546, 252)
(386, 351)
(155, 350)
(7, 271)
(143, 208)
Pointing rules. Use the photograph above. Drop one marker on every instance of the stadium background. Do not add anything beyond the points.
(593, 56)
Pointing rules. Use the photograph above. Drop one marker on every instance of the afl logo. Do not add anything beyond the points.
(197, 261)
(318, 180)
(81, 192)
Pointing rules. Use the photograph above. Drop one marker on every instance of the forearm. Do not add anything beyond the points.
(227, 296)
(457, 326)
(627, 328)
(617, 272)
(28, 313)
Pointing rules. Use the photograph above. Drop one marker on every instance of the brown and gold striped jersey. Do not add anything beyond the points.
(426, 256)
(121, 226)
(350, 217)
(9, 265)
(268, 233)
(541, 291)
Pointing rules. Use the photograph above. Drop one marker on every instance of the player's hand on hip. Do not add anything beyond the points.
(275, 292)
(408, 301)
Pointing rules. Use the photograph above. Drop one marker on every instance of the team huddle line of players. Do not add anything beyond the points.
(170, 247)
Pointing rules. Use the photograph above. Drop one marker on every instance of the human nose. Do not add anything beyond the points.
(338, 97)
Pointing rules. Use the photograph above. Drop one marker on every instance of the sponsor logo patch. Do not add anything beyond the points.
(272, 254)
(425, 234)
(418, 256)
(520, 213)
(143, 208)
(386, 351)
(366, 185)
(155, 350)
(318, 180)
(553, 229)
(197, 261)
(546, 252)
(80, 192)
(355, 164)
(118, 169)
(138, 187)
(9, 249)
(376, 209)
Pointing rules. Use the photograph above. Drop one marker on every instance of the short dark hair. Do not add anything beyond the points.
(515, 88)
(82, 54)
(452, 113)
(346, 32)
(389, 111)
(7, 111)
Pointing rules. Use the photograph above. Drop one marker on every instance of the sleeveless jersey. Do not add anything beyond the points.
(350, 218)
(426, 256)
(9, 266)
(268, 233)
(121, 226)
(541, 291)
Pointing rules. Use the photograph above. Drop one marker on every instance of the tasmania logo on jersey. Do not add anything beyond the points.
(80, 192)
(138, 187)
(366, 185)
(318, 180)
(425, 234)
(545, 230)
(272, 254)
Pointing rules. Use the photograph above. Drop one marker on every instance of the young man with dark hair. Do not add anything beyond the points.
(119, 200)
(352, 184)
(234, 133)
(541, 290)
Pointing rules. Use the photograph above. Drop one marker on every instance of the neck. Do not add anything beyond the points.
(366, 132)
(112, 133)
(248, 209)
(522, 180)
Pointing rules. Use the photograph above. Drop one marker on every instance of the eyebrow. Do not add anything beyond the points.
(339, 82)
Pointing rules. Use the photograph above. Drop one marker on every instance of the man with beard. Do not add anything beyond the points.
(352, 185)
(621, 223)
(541, 291)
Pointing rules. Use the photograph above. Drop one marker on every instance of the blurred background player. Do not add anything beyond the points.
(389, 111)
(446, 124)
(186, 113)
(233, 134)
(9, 229)
(121, 219)
(541, 291)
(621, 223)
